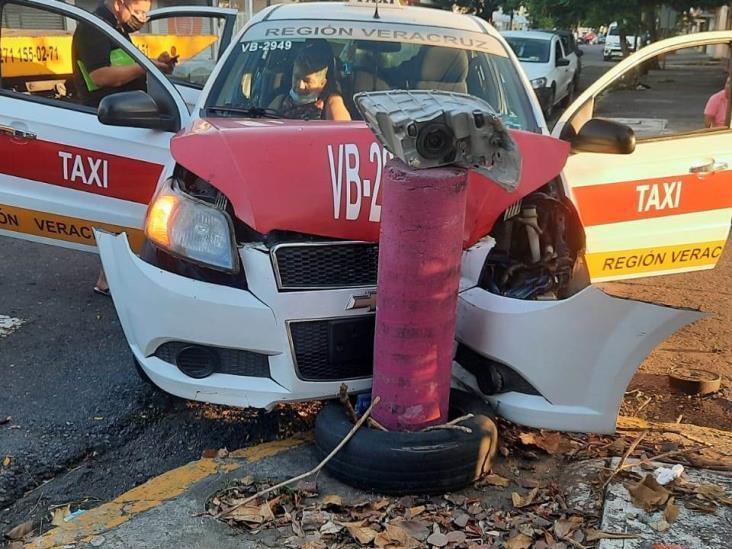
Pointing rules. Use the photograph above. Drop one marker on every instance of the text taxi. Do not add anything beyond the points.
(257, 262)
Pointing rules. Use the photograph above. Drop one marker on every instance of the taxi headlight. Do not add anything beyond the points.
(191, 229)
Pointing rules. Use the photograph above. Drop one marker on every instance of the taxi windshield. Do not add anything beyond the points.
(298, 77)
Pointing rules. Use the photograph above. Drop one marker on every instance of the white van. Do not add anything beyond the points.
(612, 42)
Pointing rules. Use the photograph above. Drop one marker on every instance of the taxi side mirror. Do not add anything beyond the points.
(134, 109)
(599, 135)
(562, 62)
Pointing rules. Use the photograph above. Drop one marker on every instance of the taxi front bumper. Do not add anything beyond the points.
(158, 309)
(577, 354)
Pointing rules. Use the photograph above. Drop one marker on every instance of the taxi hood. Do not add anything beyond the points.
(324, 178)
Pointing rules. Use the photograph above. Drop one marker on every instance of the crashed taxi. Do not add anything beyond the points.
(239, 233)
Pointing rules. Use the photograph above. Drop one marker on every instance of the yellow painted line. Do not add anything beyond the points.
(50, 55)
(61, 227)
(654, 260)
(154, 492)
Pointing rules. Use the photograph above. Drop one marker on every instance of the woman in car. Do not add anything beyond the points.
(314, 93)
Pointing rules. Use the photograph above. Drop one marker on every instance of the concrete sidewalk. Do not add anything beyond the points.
(168, 511)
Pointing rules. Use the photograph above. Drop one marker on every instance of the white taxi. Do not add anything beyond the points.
(251, 279)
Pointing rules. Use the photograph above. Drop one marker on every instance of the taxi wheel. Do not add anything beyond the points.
(423, 462)
(550, 103)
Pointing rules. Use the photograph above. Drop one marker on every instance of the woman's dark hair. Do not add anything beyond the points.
(315, 55)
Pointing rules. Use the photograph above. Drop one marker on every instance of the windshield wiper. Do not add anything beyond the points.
(250, 112)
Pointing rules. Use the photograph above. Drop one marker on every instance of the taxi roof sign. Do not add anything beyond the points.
(377, 4)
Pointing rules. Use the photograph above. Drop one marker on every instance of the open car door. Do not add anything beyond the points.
(62, 171)
(197, 35)
(664, 206)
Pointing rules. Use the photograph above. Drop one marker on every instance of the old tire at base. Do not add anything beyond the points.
(427, 462)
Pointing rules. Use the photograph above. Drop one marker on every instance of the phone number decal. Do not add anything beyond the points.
(29, 54)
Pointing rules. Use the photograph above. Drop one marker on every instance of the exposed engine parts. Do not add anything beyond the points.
(538, 244)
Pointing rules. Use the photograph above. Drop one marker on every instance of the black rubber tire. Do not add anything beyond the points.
(550, 104)
(427, 462)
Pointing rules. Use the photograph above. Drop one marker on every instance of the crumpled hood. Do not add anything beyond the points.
(325, 178)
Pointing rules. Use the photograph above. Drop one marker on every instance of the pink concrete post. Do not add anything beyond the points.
(423, 215)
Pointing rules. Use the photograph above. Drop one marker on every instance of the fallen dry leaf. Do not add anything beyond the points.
(456, 537)
(519, 501)
(671, 512)
(415, 511)
(209, 453)
(59, 514)
(362, 534)
(250, 513)
(417, 528)
(595, 535)
(648, 494)
(660, 525)
(20, 531)
(394, 535)
(437, 539)
(332, 501)
(6, 461)
(495, 480)
(713, 492)
(551, 442)
(330, 527)
(564, 527)
(519, 541)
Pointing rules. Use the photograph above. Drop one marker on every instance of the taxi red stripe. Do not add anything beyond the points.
(80, 169)
(651, 198)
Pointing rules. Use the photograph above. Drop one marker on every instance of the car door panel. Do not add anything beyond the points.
(63, 172)
(650, 212)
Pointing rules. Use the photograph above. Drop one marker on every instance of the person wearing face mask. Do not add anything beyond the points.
(313, 94)
(100, 67)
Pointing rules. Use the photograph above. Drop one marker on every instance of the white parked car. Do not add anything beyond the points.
(551, 71)
(612, 48)
(251, 278)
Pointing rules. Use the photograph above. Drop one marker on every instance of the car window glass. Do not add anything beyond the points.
(36, 58)
(558, 53)
(530, 50)
(676, 93)
(195, 40)
(259, 74)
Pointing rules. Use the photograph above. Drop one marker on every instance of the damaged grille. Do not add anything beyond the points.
(325, 265)
(334, 349)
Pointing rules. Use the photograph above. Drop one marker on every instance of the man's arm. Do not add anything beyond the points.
(115, 77)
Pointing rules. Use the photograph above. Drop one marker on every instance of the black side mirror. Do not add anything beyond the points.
(134, 109)
(562, 62)
(599, 135)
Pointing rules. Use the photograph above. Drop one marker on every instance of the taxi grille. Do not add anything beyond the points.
(328, 350)
(321, 266)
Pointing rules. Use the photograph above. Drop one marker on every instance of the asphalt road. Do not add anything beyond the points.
(83, 427)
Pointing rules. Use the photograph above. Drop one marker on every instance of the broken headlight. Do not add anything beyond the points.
(191, 229)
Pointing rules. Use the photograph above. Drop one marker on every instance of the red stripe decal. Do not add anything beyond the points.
(81, 169)
(649, 198)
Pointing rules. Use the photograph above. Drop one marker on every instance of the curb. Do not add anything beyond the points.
(155, 491)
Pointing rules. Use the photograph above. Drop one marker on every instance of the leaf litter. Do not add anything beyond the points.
(537, 516)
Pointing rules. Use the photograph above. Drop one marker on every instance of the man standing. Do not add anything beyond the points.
(100, 66)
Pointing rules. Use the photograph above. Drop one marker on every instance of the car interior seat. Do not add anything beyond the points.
(443, 69)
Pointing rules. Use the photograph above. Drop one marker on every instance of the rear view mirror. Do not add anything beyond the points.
(599, 135)
(563, 62)
(134, 109)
